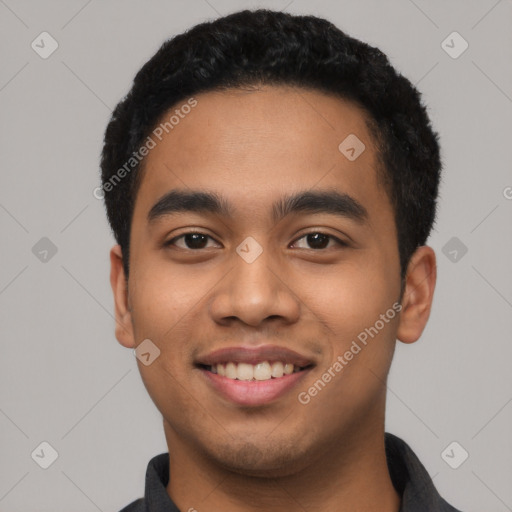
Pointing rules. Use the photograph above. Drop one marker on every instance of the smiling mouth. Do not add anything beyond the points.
(263, 371)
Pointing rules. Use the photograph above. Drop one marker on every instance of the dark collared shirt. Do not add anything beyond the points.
(408, 475)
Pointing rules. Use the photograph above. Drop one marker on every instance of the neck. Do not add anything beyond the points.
(349, 474)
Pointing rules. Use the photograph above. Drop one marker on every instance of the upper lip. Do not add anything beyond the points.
(254, 355)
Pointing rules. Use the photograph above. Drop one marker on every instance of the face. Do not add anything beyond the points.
(237, 280)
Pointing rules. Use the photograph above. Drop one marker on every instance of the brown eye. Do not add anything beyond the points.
(318, 240)
(193, 241)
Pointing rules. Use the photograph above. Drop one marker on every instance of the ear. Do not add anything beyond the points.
(418, 294)
(124, 327)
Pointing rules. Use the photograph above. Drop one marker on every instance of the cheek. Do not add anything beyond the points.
(163, 305)
(159, 313)
(163, 298)
(348, 296)
(350, 301)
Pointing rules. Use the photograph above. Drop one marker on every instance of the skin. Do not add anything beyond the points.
(253, 147)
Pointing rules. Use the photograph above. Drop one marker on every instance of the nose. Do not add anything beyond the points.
(254, 292)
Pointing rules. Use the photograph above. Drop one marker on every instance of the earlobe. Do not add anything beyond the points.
(124, 328)
(418, 294)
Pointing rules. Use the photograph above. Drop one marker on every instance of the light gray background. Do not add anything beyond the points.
(64, 377)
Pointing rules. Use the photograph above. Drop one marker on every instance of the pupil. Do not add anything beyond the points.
(191, 240)
(313, 240)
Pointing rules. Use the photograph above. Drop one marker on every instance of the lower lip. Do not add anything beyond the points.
(253, 392)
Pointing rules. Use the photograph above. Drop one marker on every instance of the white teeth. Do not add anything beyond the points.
(277, 369)
(231, 372)
(245, 371)
(260, 371)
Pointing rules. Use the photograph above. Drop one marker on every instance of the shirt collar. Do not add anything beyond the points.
(411, 479)
(409, 476)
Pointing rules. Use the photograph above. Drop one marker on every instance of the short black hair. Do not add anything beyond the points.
(264, 47)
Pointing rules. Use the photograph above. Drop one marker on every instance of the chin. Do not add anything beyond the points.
(265, 460)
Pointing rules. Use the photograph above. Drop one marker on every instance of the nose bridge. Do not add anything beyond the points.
(252, 275)
(254, 290)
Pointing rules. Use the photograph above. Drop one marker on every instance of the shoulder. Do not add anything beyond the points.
(411, 479)
(135, 506)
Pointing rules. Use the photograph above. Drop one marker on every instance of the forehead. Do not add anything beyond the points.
(254, 146)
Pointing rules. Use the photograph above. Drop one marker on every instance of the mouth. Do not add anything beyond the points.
(263, 371)
(253, 376)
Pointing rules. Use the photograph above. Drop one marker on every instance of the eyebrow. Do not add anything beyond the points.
(323, 201)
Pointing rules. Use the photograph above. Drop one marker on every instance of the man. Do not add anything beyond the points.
(271, 183)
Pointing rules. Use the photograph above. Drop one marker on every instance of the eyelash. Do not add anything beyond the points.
(172, 241)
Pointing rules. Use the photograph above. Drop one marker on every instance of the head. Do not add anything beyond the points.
(243, 121)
